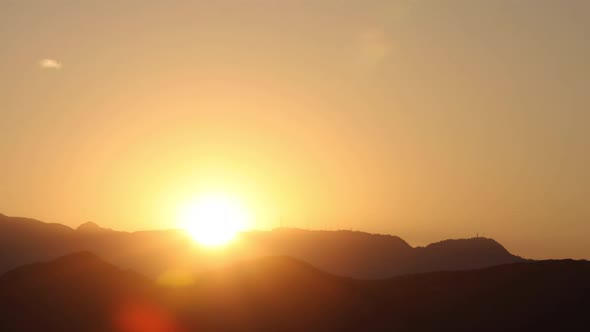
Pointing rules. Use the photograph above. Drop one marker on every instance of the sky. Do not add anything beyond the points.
(424, 119)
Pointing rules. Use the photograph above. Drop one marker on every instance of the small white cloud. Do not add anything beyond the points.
(50, 64)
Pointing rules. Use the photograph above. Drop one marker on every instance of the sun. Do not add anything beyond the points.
(214, 219)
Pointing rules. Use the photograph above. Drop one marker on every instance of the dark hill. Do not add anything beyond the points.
(285, 295)
(78, 292)
(82, 293)
(269, 294)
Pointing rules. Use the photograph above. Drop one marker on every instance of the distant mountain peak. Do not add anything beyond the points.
(91, 227)
(472, 243)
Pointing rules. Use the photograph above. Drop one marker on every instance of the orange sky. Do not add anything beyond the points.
(426, 119)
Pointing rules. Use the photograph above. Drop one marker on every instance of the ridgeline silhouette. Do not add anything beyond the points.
(344, 253)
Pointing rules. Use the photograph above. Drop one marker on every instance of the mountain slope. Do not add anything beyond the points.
(81, 293)
(24, 241)
(345, 253)
(78, 292)
(373, 256)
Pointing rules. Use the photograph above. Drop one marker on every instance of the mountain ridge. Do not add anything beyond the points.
(346, 253)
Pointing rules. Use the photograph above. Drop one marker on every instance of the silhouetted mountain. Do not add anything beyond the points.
(24, 241)
(460, 254)
(345, 253)
(363, 255)
(268, 294)
(78, 292)
(90, 227)
(82, 293)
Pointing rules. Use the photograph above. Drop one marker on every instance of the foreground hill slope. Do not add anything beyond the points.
(345, 253)
(81, 293)
(78, 292)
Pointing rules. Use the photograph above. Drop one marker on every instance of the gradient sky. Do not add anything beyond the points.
(424, 119)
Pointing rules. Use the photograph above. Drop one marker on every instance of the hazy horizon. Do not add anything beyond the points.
(423, 119)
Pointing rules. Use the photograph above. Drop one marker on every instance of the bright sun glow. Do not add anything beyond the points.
(214, 219)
